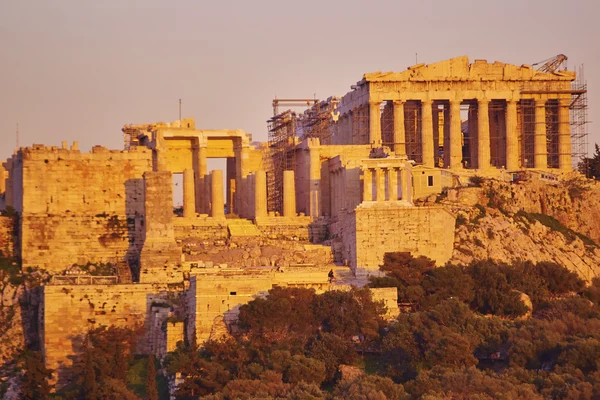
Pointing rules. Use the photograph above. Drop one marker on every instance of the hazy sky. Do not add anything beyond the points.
(80, 70)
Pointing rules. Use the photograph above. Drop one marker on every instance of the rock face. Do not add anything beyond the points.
(533, 221)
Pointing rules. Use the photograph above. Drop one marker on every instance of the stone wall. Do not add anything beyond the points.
(215, 297)
(69, 311)
(373, 230)
(56, 242)
(79, 207)
(7, 235)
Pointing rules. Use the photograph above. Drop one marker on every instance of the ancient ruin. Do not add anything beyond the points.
(334, 185)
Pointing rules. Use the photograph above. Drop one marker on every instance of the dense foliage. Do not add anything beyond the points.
(488, 330)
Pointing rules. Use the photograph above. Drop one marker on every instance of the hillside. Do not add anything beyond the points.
(531, 220)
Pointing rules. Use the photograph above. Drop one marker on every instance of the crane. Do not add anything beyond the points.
(552, 64)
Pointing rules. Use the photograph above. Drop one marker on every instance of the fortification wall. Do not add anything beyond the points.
(373, 230)
(79, 207)
(58, 181)
(56, 242)
(6, 235)
(68, 312)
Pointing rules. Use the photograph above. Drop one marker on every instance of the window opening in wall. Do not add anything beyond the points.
(232, 293)
(430, 181)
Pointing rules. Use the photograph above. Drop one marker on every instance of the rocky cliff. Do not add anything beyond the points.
(532, 220)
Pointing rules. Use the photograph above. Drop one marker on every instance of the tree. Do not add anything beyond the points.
(34, 384)
(151, 392)
(590, 166)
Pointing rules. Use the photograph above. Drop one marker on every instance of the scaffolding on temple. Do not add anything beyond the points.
(578, 118)
(280, 156)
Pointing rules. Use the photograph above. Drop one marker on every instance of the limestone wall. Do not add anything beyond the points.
(56, 242)
(79, 207)
(372, 230)
(214, 298)
(58, 181)
(6, 236)
(69, 311)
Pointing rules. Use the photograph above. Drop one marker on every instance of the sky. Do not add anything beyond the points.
(79, 70)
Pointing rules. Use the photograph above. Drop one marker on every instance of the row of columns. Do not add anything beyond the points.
(391, 188)
(453, 149)
(259, 182)
(217, 201)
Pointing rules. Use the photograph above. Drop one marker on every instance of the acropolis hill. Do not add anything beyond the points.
(392, 166)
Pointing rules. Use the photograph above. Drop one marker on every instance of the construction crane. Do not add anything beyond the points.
(552, 64)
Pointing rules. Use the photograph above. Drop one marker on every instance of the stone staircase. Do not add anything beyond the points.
(242, 228)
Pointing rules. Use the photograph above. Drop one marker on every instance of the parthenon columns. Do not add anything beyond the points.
(189, 198)
(483, 134)
(399, 130)
(512, 139)
(540, 148)
(455, 135)
(375, 123)
(564, 135)
(427, 133)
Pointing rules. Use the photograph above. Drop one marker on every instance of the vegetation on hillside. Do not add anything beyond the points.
(488, 330)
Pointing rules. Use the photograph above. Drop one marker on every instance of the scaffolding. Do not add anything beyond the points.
(578, 118)
(280, 156)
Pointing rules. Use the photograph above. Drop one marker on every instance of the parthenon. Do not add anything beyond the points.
(518, 117)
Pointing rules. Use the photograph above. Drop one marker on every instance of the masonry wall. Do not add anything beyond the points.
(215, 298)
(427, 231)
(69, 311)
(79, 207)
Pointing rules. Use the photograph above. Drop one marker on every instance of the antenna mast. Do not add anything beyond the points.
(17, 134)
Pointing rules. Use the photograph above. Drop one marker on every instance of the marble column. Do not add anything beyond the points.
(427, 133)
(540, 145)
(375, 123)
(564, 135)
(512, 138)
(367, 185)
(393, 183)
(289, 194)
(201, 199)
(217, 206)
(260, 194)
(483, 134)
(189, 198)
(399, 130)
(380, 184)
(455, 135)
(404, 177)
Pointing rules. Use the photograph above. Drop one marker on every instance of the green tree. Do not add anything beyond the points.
(151, 391)
(493, 294)
(590, 166)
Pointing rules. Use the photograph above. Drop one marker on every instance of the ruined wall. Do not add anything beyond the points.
(6, 236)
(215, 298)
(373, 230)
(79, 207)
(86, 307)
